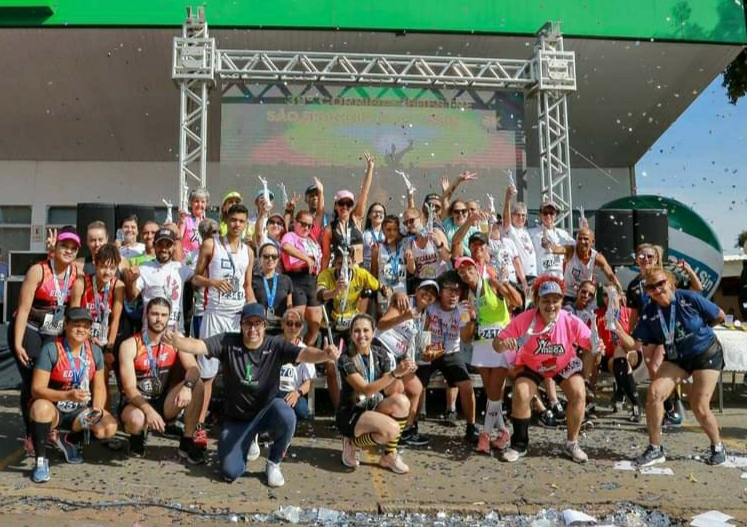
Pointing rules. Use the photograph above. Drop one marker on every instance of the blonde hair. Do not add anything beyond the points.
(658, 249)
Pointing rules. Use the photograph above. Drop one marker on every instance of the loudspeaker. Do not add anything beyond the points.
(20, 261)
(613, 229)
(143, 212)
(11, 295)
(651, 226)
(90, 212)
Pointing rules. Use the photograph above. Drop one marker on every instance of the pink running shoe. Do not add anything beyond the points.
(502, 441)
(483, 443)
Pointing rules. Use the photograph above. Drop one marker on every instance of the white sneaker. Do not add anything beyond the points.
(573, 449)
(512, 454)
(349, 453)
(274, 476)
(253, 452)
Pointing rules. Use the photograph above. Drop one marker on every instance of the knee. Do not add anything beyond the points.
(465, 389)
(390, 430)
(522, 393)
(106, 429)
(198, 390)
(414, 387)
(575, 391)
(42, 411)
(700, 407)
(302, 409)
(286, 416)
(232, 472)
(133, 420)
(657, 393)
(401, 404)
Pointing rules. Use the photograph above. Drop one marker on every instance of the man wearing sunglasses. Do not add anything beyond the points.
(546, 237)
(515, 229)
(251, 372)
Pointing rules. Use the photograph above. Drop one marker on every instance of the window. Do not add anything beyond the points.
(59, 216)
(15, 228)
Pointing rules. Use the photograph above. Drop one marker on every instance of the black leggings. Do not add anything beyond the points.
(32, 342)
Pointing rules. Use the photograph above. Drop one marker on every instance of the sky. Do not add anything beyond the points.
(701, 161)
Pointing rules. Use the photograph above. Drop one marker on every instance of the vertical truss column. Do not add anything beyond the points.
(555, 72)
(193, 70)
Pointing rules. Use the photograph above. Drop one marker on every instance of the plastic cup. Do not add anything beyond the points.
(729, 320)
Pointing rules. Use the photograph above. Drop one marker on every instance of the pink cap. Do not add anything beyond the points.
(68, 236)
(464, 260)
(344, 194)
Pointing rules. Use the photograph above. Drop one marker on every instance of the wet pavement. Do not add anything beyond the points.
(449, 484)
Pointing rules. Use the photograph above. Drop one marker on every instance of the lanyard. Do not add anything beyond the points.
(101, 314)
(345, 233)
(644, 297)
(227, 248)
(61, 294)
(79, 370)
(270, 294)
(394, 263)
(368, 360)
(668, 331)
(377, 236)
(152, 361)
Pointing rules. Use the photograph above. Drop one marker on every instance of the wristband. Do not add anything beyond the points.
(189, 385)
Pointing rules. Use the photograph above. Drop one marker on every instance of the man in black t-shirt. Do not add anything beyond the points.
(251, 375)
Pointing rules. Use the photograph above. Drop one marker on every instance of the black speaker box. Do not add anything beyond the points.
(11, 296)
(613, 229)
(143, 212)
(90, 212)
(20, 261)
(651, 226)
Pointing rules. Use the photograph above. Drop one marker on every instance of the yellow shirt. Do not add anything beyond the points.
(360, 281)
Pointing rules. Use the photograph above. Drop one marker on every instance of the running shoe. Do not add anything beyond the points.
(472, 434)
(617, 404)
(672, 419)
(200, 436)
(717, 457)
(274, 475)
(652, 456)
(558, 411)
(349, 453)
(547, 419)
(573, 449)
(137, 445)
(635, 416)
(40, 474)
(394, 463)
(69, 450)
(411, 437)
(483, 443)
(451, 416)
(512, 454)
(189, 450)
(500, 442)
(253, 452)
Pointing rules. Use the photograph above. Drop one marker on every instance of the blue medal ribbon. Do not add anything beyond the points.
(76, 371)
(270, 293)
(155, 371)
(668, 332)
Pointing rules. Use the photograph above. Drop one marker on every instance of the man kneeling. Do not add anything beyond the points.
(146, 368)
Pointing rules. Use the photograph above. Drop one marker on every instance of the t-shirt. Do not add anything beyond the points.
(360, 281)
(348, 365)
(502, 254)
(450, 229)
(549, 353)
(307, 246)
(445, 326)
(251, 377)
(131, 251)
(693, 333)
(167, 281)
(283, 288)
(48, 357)
(549, 263)
(610, 338)
(292, 376)
(524, 248)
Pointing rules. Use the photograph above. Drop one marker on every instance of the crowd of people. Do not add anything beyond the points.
(380, 302)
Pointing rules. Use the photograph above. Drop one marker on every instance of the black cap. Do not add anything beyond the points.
(78, 313)
(310, 189)
(431, 196)
(165, 234)
(478, 237)
(253, 310)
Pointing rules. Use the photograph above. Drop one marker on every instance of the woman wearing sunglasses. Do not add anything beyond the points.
(345, 228)
(302, 258)
(295, 379)
(682, 322)
(374, 233)
(458, 214)
(272, 289)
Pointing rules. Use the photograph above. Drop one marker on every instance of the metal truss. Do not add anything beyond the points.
(549, 75)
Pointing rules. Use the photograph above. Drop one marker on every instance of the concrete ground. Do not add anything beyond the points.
(447, 475)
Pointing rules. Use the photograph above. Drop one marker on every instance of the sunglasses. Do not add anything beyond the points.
(304, 224)
(294, 324)
(345, 203)
(272, 257)
(647, 257)
(435, 206)
(459, 211)
(550, 212)
(276, 222)
(656, 286)
(409, 221)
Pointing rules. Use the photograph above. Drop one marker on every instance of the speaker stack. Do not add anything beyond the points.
(619, 231)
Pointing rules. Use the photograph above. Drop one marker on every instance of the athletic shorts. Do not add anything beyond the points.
(575, 367)
(451, 366)
(605, 365)
(711, 359)
(346, 419)
(215, 324)
(157, 403)
(304, 289)
(67, 419)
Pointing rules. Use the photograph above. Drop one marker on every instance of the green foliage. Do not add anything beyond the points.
(741, 239)
(735, 79)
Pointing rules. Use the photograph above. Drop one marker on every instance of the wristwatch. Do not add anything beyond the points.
(189, 385)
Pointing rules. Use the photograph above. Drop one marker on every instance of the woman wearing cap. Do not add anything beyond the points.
(272, 289)
(69, 393)
(41, 307)
(345, 228)
(388, 260)
(546, 339)
(400, 331)
(189, 221)
(302, 259)
(493, 301)
(373, 233)
(682, 322)
(371, 412)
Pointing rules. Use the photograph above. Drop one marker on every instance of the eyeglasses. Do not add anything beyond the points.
(656, 286)
(253, 325)
(459, 211)
(276, 222)
(377, 213)
(409, 221)
(272, 257)
(345, 203)
(550, 212)
(646, 256)
(293, 324)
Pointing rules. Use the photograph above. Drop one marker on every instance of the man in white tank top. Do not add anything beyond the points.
(545, 237)
(582, 261)
(224, 270)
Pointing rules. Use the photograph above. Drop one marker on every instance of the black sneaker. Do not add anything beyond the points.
(672, 419)
(717, 457)
(411, 437)
(191, 452)
(547, 419)
(472, 434)
(137, 445)
(451, 416)
(651, 456)
(558, 411)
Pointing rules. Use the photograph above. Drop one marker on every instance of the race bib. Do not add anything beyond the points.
(237, 292)
(428, 272)
(489, 332)
(150, 387)
(548, 262)
(67, 407)
(342, 325)
(52, 323)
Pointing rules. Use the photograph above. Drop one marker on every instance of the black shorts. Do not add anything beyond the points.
(304, 289)
(451, 366)
(575, 367)
(346, 419)
(711, 359)
(67, 419)
(158, 404)
(605, 365)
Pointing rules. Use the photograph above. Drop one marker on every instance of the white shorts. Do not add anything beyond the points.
(484, 356)
(215, 324)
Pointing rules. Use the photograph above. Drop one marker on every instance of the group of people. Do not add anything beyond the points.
(379, 301)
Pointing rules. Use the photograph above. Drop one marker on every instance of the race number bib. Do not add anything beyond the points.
(488, 332)
(150, 387)
(342, 324)
(237, 292)
(67, 407)
(52, 323)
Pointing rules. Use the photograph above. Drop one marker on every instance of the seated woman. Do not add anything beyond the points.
(371, 412)
(295, 379)
(546, 338)
(69, 391)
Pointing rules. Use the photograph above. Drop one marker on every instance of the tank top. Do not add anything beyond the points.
(398, 339)
(370, 238)
(392, 267)
(577, 271)
(50, 295)
(427, 260)
(61, 377)
(153, 381)
(99, 304)
(345, 236)
(492, 312)
(191, 239)
(231, 267)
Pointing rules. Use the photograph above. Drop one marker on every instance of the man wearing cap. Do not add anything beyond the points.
(433, 202)
(229, 200)
(251, 369)
(545, 237)
(315, 201)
